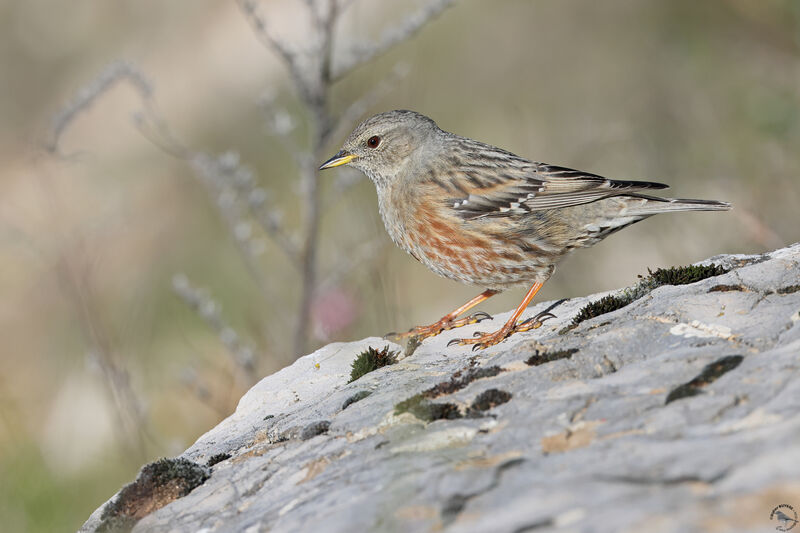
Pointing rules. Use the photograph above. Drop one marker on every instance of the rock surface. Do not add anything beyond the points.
(678, 412)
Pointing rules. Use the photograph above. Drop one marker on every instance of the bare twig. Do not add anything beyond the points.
(248, 8)
(243, 354)
(201, 391)
(230, 184)
(290, 58)
(233, 190)
(395, 34)
(354, 111)
(308, 269)
(155, 129)
(116, 72)
(75, 282)
(281, 125)
(314, 88)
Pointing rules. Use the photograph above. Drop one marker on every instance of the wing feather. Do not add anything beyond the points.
(494, 182)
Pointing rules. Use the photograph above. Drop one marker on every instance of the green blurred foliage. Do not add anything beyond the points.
(702, 95)
(35, 498)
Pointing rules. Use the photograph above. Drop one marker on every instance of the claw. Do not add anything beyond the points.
(534, 322)
(478, 346)
(480, 315)
(478, 334)
(453, 342)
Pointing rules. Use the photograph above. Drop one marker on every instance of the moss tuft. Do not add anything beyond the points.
(357, 397)
(604, 305)
(371, 359)
(315, 428)
(426, 410)
(217, 458)
(540, 358)
(685, 274)
(158, 484)
(662, 276)
(489, 399)
(409, 405)
(710, 373)
(420, 405)
(727, 288)
(788, 290)
(461, 379)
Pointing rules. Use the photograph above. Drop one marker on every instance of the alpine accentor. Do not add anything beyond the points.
(484, 216)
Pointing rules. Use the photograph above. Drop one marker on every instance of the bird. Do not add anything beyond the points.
(483, 216)
(784, 519)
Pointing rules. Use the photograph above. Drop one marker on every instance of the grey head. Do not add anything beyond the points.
(387, 145)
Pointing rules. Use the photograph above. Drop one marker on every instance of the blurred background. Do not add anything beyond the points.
(154, 214)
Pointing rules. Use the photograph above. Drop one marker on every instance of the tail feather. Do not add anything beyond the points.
(656, 205)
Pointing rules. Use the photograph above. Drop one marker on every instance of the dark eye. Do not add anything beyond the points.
(373, 141)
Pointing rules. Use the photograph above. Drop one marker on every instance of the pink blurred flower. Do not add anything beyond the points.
(333, 310)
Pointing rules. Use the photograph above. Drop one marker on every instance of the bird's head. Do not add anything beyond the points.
(384, 145)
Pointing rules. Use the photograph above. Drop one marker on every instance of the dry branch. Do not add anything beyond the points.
(395, 34)
(116, 72)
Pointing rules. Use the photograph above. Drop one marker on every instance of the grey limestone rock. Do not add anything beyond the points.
(573, 430)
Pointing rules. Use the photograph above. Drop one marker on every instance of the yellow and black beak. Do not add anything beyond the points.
(342, 158)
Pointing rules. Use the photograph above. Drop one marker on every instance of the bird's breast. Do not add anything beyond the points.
(466, 251)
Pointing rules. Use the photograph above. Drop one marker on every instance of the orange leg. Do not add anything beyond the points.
(449, 321)
(484, 340)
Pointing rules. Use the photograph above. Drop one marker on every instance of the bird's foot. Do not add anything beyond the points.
(445, 323)
(534, 322)
(483, 340)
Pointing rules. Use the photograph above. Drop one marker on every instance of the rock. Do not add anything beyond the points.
(679, 411)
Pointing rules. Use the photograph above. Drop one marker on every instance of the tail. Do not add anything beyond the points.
(655, 205)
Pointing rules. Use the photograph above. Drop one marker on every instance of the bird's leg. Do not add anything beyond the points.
(449, 321)
(484, 340)
(535, 322)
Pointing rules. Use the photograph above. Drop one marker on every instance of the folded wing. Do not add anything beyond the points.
(487, 182)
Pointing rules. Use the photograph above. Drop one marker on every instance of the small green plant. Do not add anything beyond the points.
(661, 276)
(685, 274)
(426, 410)
(604, 305)
(371, 359)
(421, 406)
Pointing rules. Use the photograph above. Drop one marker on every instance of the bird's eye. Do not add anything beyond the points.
(373, 141)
